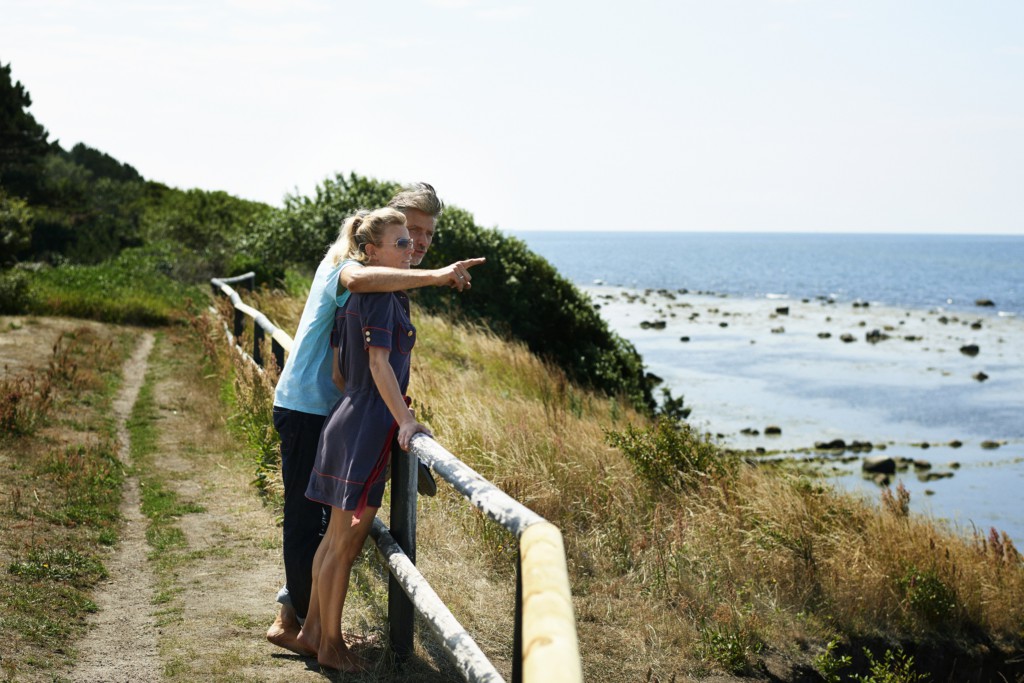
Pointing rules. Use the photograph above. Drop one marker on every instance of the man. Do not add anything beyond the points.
(306, 392)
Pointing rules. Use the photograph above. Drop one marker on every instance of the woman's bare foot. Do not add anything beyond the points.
(284, 632)
(341, 659)
(309, 643)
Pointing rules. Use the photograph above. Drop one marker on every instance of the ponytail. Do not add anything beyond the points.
(360, 229)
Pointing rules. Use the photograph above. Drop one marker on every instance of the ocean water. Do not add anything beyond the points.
(744, 367)
(918, 271)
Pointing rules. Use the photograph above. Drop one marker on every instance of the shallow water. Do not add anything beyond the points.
(895, 392)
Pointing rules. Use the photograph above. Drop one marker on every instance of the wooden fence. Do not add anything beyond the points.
(545, 646)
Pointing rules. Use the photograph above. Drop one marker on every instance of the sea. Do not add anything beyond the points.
(912, 398)
(916, 271)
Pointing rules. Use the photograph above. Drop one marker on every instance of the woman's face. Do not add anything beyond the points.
(395, 248)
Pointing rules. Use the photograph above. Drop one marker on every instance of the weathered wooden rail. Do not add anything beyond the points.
(545, 646)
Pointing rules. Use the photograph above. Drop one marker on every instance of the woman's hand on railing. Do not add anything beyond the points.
(406, 431)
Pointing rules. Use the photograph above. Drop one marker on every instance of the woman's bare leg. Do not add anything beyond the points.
(332, 586)
(308, 639)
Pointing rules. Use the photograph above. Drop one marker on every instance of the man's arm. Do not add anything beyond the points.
(336, 376)
(382, 279)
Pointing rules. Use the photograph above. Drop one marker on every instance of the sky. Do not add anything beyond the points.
(901, 116)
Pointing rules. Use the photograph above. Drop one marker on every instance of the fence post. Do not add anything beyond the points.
(239, 326)
(278, 351)
(257, 343)
(403, 529)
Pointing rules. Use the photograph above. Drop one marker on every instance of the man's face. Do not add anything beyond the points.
(421, 230)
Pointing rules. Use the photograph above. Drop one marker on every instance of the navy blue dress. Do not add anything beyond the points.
(355, 444)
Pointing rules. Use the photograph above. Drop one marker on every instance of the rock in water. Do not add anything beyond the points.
(970, 350)
(879, 464)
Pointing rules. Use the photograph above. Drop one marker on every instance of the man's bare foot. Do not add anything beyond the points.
(341, 659)
(284, 632)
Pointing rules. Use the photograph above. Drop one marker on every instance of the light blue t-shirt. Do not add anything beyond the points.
(305, 384)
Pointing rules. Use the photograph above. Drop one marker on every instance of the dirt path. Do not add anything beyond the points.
(121, 642)
(198, 608)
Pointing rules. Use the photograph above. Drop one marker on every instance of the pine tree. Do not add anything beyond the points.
(23, 141)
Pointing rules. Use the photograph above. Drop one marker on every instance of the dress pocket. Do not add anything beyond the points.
(406, 338)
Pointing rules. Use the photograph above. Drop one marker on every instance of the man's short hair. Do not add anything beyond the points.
(419, 196)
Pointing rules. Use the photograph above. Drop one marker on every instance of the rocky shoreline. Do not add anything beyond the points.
(852, 388)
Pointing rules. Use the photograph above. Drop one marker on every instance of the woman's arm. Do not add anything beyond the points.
(387, 385)
(336, 376)
(383, 279)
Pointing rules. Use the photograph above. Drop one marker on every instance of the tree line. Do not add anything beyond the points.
(80, 208)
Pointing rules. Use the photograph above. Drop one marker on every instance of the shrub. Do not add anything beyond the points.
(927, 596)
(895, 667)
(671, 454)
(15, 226)
(302, 232)
(24, 401)
(15, 293)
(520, 294)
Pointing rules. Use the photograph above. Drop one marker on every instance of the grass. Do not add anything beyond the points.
(135, 287)
(684, 561)
(60, 489)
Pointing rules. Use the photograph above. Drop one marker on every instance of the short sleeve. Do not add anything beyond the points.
(377, 319)
(339, 293)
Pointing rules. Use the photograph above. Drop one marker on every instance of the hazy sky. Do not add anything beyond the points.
(783, 115)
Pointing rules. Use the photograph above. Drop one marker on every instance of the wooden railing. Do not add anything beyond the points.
(545, 647)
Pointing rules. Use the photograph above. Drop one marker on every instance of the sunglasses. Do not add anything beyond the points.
(403, 243)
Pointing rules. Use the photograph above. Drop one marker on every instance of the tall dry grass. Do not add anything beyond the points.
(760, 559)
(750, 560)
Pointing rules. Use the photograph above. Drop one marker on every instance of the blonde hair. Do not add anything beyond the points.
(360, 229)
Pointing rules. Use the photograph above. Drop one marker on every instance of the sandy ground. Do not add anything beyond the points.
(27, 341)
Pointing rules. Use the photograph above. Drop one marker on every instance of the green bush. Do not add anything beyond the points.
(301, 233)
(895, 667)
(137, 287)
(927, 596)
(15, 293)
(730, 647)
(522, 295)
(211, 225)
(15, 227)
(670, 454)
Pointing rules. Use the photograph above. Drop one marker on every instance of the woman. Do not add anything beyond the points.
(350, 469)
